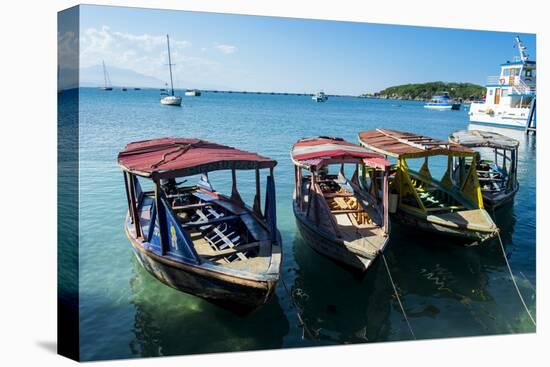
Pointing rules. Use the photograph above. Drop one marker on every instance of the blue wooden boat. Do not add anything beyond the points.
(193, 238)
(497, 177)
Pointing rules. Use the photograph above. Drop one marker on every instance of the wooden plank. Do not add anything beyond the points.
(210, 222)
(230, 251)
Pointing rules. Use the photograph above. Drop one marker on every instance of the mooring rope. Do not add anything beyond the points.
(298, 312)
(397, 295)
(514, 281)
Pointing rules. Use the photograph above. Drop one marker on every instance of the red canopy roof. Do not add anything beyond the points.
(329, 150)
(175, 157)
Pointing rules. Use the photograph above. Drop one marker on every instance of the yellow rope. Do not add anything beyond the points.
(397, 296)
(514, 281)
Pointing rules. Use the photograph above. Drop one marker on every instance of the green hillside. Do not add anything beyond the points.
(464, 91)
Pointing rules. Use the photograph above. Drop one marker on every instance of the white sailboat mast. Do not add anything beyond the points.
(170, 65)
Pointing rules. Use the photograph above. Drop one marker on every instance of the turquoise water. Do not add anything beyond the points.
(446, 291)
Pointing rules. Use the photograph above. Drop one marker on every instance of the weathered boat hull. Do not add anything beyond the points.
(495, 201)
(237, 294)
(330, 246)
(421, 221)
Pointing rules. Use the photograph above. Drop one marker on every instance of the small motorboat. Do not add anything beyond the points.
(498, 176)
(334, 215)
(124, 89)
(194, 238)
(442, 102)
(320, 97)
(442, 206)
(193, 93)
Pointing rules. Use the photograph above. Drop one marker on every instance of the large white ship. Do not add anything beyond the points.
(510, 96)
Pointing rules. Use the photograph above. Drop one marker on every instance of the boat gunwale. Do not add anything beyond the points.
(248, 278)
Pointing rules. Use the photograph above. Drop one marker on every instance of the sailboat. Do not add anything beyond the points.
(106, 79)
(165, 98)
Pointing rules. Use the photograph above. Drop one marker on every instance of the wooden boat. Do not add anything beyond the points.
(194, 238)
(334, 216)
(498, 177)
(443, 206)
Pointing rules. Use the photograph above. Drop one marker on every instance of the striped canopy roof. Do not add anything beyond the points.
(401, 144)
(325, 150)
(177, 157)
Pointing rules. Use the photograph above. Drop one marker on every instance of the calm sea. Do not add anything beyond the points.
(446, 291)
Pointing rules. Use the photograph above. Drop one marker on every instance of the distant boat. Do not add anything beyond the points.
(137, 88)
(193, 93)
(124, 89)
(320, 97)
(106, 80)
(165, 98)
(443, 102)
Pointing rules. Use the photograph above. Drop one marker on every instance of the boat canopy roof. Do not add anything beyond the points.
(401, 144)
(178, 157)
(324, 150)
(478, 138)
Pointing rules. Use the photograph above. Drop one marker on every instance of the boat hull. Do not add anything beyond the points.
(490, 115)
(421, 221)
(330, 246)
(495, 201)
(232, 292)
(453, 106)
(171, 101)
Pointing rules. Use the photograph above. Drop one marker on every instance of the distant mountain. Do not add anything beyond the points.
(92, 76)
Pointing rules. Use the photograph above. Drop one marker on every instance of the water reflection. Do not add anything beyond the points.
(169, 322)
(337, 306)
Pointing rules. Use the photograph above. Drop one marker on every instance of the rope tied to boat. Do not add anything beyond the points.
(514, 281)
(180, 149)
(397, 295)
(301, 321)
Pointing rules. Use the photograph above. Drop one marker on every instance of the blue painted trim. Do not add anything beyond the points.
(528, 62)
(522, 95)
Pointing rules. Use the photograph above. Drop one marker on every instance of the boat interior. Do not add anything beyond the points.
(350, 215)
(432, 194)
(223, 231)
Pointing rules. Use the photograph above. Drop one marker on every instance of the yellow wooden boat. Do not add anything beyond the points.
(442, 206)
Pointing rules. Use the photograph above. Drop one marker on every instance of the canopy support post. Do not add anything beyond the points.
(133, 205)
(235, 196)
(161, 217)
(257, 203)
(385, 201)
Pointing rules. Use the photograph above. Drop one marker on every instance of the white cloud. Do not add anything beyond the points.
(144, 53)
(226, 49)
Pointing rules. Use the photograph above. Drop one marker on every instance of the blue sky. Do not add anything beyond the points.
(281, 54)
